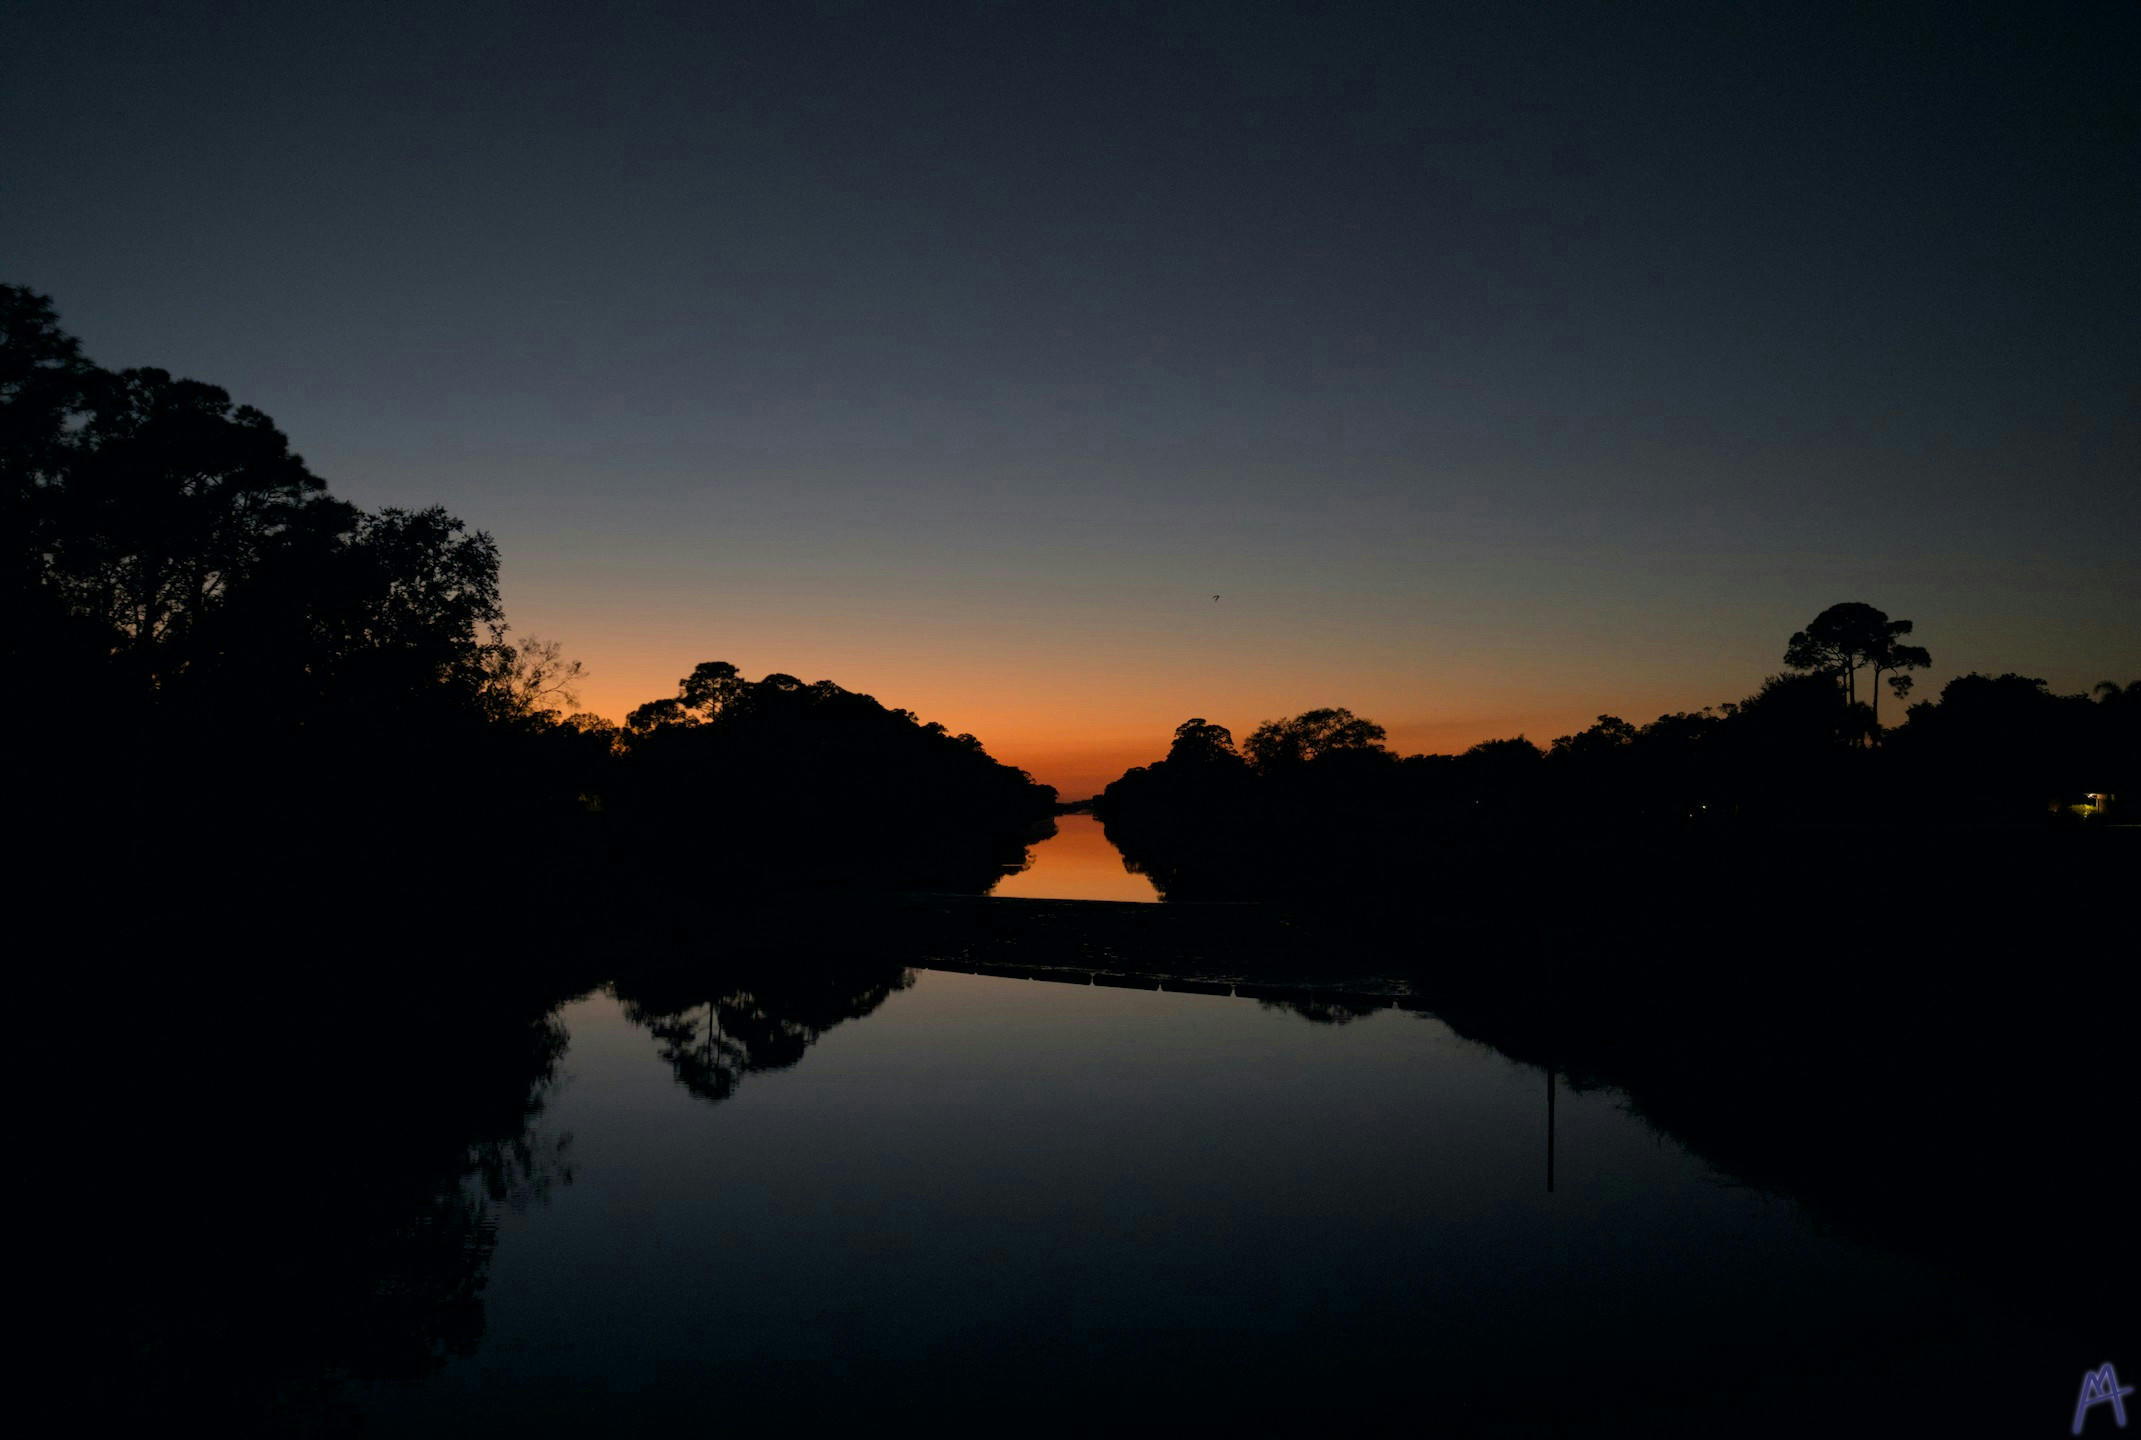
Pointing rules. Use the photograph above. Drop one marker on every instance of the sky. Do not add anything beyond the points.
(1495, 366)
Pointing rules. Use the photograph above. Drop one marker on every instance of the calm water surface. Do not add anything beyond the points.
(1020, 1205)
(1078, 862)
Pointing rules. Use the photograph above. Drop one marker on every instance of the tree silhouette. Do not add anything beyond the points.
(169, 499)
(175, 544)
(42, 381)
(43, 384)
(531, 681)
(1609, 734)
(1199, 742)
(315, 696)
(784, 780)
(410, 605)
(1847, 638)
(1309, 736)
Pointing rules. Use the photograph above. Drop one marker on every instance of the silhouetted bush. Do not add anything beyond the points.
(772, 781)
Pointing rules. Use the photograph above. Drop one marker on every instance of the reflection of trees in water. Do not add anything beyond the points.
(390, 1285)
(1326, 1010)
(1954, 1123)
(339, 1163)
(715, 1027)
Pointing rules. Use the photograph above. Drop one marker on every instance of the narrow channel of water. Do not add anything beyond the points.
(1077, 863)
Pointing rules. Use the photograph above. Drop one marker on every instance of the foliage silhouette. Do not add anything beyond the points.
(1320, 811)
(1846, 638)
(774, 781)
(1310, 736)
(2006, 749)
(319, 696)
(261, 679)
(1199, 742)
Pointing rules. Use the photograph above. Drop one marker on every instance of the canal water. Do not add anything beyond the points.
(964, 1202)
(782, 1175)
(1078, 862)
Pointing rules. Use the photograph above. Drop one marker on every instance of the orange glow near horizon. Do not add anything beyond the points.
(1077, 689)
(1080, 742)
(1077, 863)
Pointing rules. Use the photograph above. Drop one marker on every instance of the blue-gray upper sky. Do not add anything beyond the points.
(1499, 365)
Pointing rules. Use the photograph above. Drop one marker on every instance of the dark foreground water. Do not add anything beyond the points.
(984, 1165)
(986, 1203)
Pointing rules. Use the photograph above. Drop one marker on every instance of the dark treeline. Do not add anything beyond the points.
(1316, 805)
(248, 676)
(778, 779)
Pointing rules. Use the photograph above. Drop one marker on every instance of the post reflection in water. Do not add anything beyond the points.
(1078, 862)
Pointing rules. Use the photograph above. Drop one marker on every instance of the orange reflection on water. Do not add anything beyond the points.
(1077, 863)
